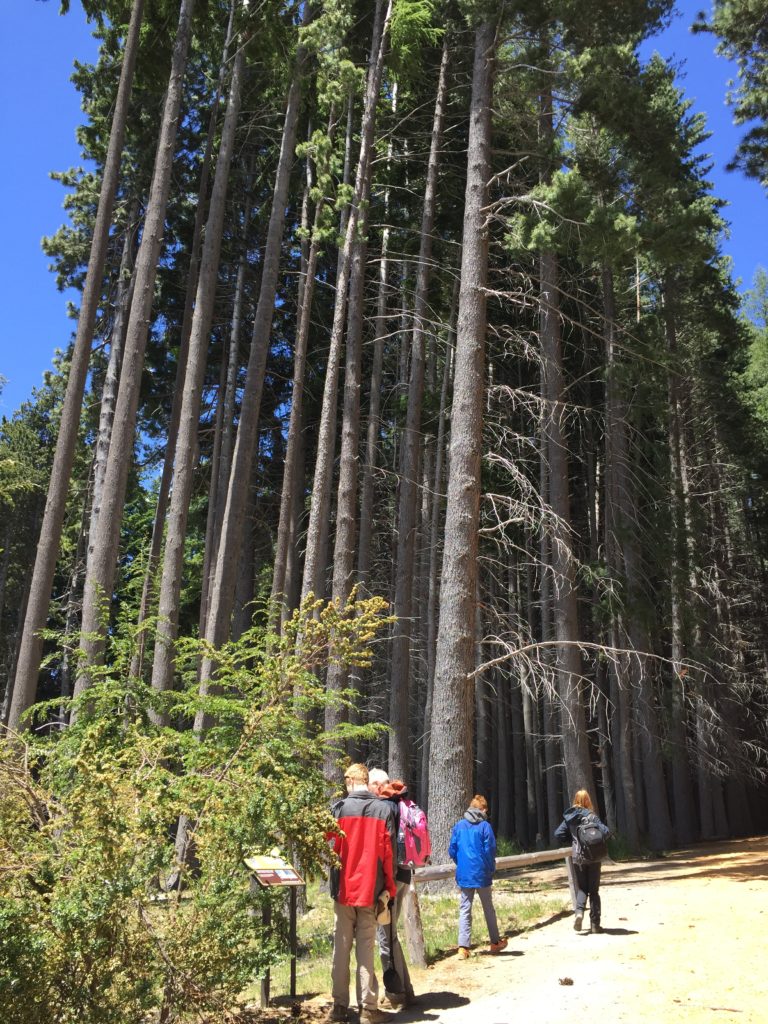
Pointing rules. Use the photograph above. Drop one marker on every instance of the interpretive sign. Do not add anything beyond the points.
(269, 870)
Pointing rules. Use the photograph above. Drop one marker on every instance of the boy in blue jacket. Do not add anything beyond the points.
(473, 850)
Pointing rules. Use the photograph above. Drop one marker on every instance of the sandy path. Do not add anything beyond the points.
(685, 942)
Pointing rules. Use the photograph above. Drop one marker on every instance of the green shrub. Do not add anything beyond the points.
(506, 847)
(87, 823)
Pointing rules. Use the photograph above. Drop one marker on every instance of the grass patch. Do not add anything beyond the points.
(520, 903)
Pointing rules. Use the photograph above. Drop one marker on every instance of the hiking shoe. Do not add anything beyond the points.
(496, 947)
(463, 953)
(595, 929)
(577, 920)
(337, 1014)
(394, 1001)
(370, 1015)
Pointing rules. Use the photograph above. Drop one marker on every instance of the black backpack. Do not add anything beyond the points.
(591, 839)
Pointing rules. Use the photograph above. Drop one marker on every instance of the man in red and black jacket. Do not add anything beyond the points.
(366, 852)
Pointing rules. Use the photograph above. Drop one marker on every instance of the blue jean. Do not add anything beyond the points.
(465, 914)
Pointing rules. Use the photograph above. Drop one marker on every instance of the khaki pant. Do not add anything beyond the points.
(358, 925)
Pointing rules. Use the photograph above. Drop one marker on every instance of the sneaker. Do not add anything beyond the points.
(370, 1015)
(463, 953)
(337, 1014)
(577, 920)
(595, 929)
(496, 947)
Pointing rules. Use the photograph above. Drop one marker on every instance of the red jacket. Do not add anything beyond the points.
(365, 849)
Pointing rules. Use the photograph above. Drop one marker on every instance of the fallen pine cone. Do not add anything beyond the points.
(565, 981)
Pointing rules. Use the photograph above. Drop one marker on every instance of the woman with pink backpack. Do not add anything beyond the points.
(413, 850)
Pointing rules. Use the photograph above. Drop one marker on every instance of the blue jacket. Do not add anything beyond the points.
(473, 849)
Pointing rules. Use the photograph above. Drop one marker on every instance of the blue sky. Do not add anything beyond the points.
(41, 111)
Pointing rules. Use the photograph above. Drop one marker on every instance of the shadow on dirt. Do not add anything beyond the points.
(728, 860)
(427, 1001)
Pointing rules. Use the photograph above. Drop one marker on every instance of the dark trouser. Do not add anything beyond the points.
(392, 954)
(588, 883)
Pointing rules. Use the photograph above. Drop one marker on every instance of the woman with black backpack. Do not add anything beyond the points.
(588, 835)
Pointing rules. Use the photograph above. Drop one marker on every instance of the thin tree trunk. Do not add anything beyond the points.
(126, 283)
(399, 752)
(36, 614)
(374, 423)
(452, 746)
(194, 376)
(434, 554)
(568, 666)
(314, 562)
(568, 669)
(551, 742)
(621, 522)
(290, 479)
(505, 803)
(684, 818)
(483, 699)
(615, 495)
(221, 471)
(224, 575)
(166, 478)
(103, 561)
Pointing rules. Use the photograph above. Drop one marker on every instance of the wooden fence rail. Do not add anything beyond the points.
(414, 931)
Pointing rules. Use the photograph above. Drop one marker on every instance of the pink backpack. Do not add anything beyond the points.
(414, 844)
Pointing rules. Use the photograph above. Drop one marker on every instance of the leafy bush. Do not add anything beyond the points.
(88, 818)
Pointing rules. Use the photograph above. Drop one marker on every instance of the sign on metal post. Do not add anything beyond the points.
(271, 871)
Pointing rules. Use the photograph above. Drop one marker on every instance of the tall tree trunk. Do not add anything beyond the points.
(194, 377)
(365, 538)
(224, 575)
(451, 749)
(346, 501)
(294, 443)
(682, 788)
(568, 668)
(166, 477)
(551, 742)
(126, 284)
(314, 562)
(434, 555)
(36, 615)
(621, 523)
(221, 470)
(483, 713)
(616, 478)
(409, 457)
(103, 561)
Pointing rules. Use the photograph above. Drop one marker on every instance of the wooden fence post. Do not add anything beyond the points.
(414, 931)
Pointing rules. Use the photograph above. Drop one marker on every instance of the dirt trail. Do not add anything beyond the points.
(685, 942)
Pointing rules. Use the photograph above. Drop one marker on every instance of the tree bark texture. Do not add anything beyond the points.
(100, 576)
(194, 376)
(399, 705)
(224, 576)
(452, 749)
(568, 667)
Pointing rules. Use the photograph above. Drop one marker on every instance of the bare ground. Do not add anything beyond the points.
(684, 942)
